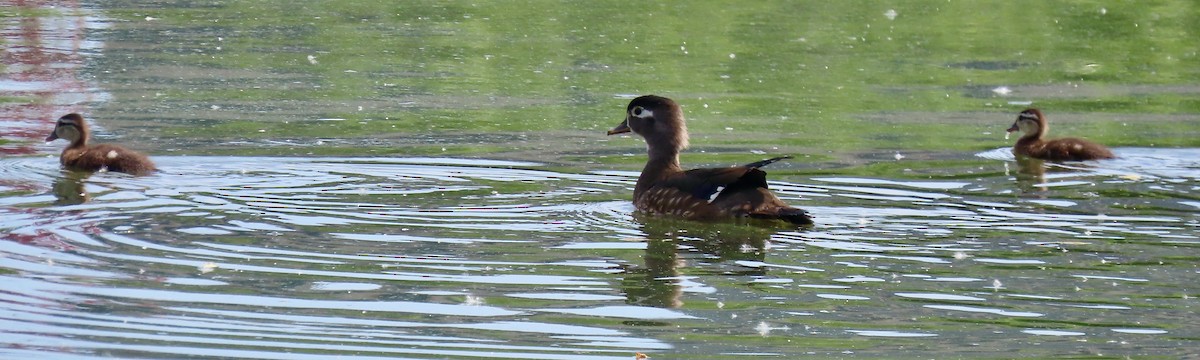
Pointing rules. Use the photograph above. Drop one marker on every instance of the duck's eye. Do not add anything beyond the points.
(641, 112)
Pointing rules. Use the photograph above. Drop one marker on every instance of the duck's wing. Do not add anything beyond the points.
(711, 183)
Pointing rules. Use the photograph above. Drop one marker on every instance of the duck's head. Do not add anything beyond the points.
(70, 127)
(657, 119)
(1030, 122)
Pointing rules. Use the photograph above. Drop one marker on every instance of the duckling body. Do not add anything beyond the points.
(80, 156)
(1033, 125)
(699, 194)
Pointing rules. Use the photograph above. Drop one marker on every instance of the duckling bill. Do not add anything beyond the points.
(698, 194)
(80, 156)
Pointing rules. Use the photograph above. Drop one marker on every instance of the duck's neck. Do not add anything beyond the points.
(81, 142)
(1032, 137)
(663, 163)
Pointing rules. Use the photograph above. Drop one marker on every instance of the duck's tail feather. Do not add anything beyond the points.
(758, 164)
(789, 214)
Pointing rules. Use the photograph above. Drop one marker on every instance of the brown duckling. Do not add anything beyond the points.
(1033, 124)
(698, 194)
(83, 157)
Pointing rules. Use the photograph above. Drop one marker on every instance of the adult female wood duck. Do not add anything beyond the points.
(700, 194)
(83, 157)
(1033, 124)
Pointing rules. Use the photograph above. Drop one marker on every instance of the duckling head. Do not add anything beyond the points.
(70, 127)
(1030, 122)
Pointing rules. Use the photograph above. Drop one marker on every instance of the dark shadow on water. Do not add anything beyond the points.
(674, 245)
(70, 189)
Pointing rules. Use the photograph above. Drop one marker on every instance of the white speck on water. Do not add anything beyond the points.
(1006, 134)
(148, 18)
(842, 297)
(1002, 90)
(1020, 103)
(764, 328)
(732, 56)
(1140, 331)
(997, 285)
(208, 267)
(898, 156)
(890, 14)
(1103, 11)
(937, 296)
(312, 59)
(758, 152)
(724, 76)
(472, 300)
(728, 128)
(215, 107)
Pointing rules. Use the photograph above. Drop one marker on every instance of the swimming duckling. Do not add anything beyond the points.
(1033, 124)
(83, 157)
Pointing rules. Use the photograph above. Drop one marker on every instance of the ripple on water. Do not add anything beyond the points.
(444, 258)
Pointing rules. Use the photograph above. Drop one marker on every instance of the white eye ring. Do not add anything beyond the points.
(641, 112)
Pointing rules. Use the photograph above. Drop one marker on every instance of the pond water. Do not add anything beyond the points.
(431, 180)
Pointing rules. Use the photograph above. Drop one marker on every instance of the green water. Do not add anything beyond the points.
(825, 79)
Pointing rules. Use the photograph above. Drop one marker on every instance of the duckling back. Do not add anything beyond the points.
(106, 157)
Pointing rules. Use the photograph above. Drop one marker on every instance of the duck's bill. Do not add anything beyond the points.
(53, 136)
(1014, 128)
(620, 129)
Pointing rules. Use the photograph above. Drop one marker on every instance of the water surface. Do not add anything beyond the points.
(246, 256)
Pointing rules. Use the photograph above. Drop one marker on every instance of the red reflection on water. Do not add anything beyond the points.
(42, 56)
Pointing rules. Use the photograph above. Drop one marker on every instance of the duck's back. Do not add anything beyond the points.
(106, 156)
(1064, 149)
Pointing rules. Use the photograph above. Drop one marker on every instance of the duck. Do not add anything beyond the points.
(79, 156)
(664, 188)
(1033, 125)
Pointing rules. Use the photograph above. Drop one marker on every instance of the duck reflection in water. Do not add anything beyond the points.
(71, 189)
(675, 245)
(1030, 173)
